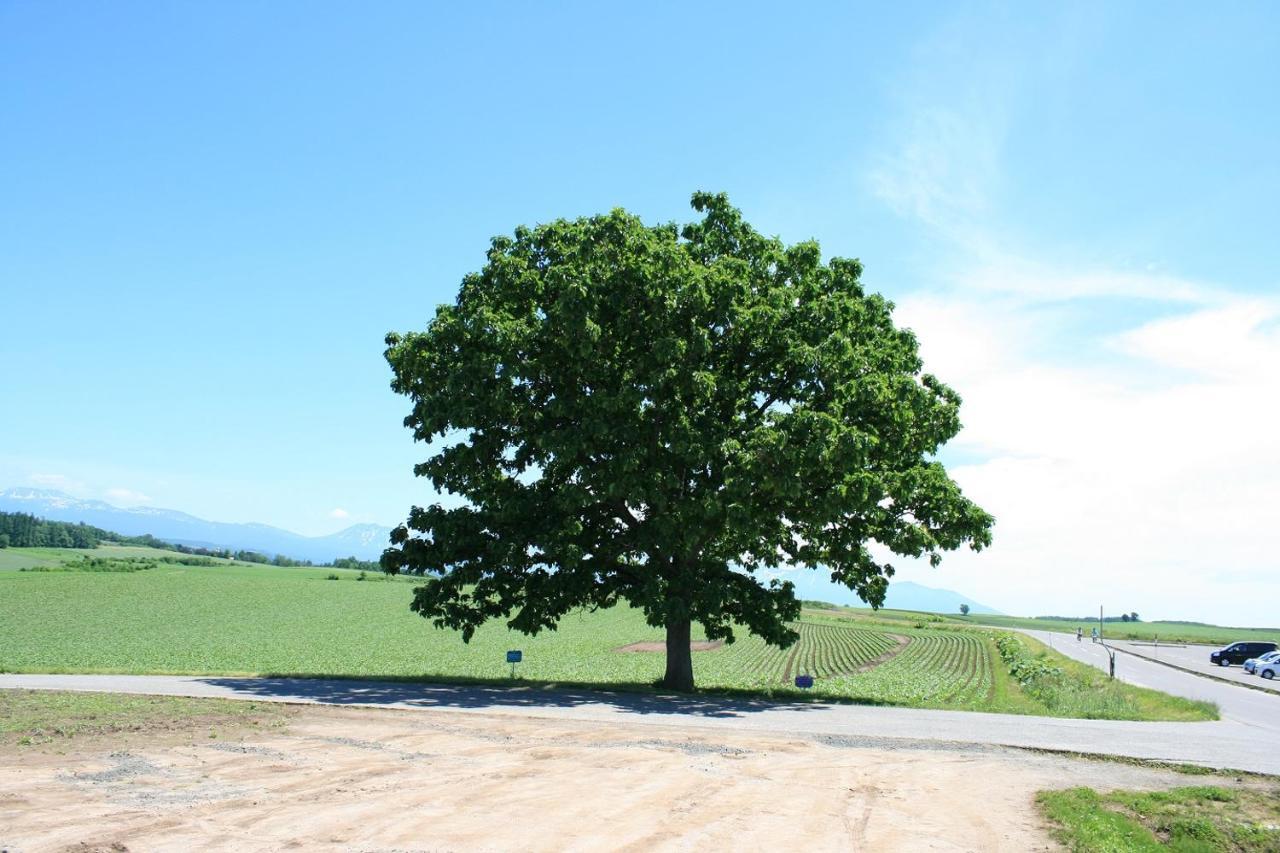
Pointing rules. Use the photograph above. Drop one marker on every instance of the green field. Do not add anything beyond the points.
(254, 619)
(1167, 632)
(18, 559)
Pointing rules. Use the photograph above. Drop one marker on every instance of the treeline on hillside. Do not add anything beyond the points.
(19, 530)
(1123, 617)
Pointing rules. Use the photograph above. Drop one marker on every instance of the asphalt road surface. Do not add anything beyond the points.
(1233, 742)
(1196, 658)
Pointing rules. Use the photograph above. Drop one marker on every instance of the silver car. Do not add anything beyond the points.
(1252, 664)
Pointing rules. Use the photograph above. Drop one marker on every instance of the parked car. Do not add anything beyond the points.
(1240, 652)
(1252, 664)
(1269, 669)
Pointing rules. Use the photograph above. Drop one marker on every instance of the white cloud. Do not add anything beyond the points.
(339, 512)
(1121, 425)
(1002, 273)
(127, 497)
(1143, 476)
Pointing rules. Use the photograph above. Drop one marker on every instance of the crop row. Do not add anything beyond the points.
(822, 651)
(942, 667)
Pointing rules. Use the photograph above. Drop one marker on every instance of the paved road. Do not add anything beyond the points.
(1196, 658)
(1251, 708)
(1229, 743)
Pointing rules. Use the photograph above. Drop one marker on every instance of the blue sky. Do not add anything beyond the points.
(212, 213)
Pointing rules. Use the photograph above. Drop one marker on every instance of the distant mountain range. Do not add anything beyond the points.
(365, 541)
(902, 595)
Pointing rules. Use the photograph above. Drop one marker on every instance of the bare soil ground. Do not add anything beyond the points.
(379, 780)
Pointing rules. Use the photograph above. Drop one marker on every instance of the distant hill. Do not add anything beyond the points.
(365, 541)
(902, 595)
(905, 595)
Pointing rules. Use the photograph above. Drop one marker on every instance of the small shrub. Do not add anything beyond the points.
(331, 577)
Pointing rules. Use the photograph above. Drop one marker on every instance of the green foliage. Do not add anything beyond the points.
(4, 540)
(1030, 670)
(26, 531)
(96, 564)
(355, 563)
(1070, 689)
(653, 414)
(1200, 819)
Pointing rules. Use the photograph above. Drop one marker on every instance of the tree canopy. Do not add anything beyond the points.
(656, 414)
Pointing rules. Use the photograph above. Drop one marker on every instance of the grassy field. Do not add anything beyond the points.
(1167, 632)
(19, 559)
(29, 717)
(1204, 819)
(254, 619)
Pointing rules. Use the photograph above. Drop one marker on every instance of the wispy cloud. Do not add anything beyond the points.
(1128, 454)
(339, 513)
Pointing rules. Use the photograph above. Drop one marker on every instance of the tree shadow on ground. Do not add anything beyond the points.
(632, 698)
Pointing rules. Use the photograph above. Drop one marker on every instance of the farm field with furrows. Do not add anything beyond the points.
(130, 613)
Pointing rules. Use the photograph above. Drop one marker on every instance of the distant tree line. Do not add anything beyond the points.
(356, 563)
(1123, 617)
(20, 530)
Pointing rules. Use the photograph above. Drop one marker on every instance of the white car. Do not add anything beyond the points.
(1269, 669)
(1252, 664)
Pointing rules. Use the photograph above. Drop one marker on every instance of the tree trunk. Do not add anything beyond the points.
(679, 657)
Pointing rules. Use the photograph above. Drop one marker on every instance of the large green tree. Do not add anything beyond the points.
(654, 414)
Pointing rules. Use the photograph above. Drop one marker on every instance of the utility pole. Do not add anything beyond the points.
(1111, 655)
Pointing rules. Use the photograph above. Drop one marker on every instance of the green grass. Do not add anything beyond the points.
(1167, 632)
(245, 619)
(40, 716)
(1199, 819)
(1080, 690)
(12, 559)
(17, 559)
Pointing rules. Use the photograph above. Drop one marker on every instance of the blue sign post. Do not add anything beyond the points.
(804, 682)
(514, 657)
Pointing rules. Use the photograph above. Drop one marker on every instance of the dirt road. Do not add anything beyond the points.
(387, 780)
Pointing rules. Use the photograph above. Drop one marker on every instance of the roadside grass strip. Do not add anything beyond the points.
(1069, 688)
(1203, 818)
(33, 717)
